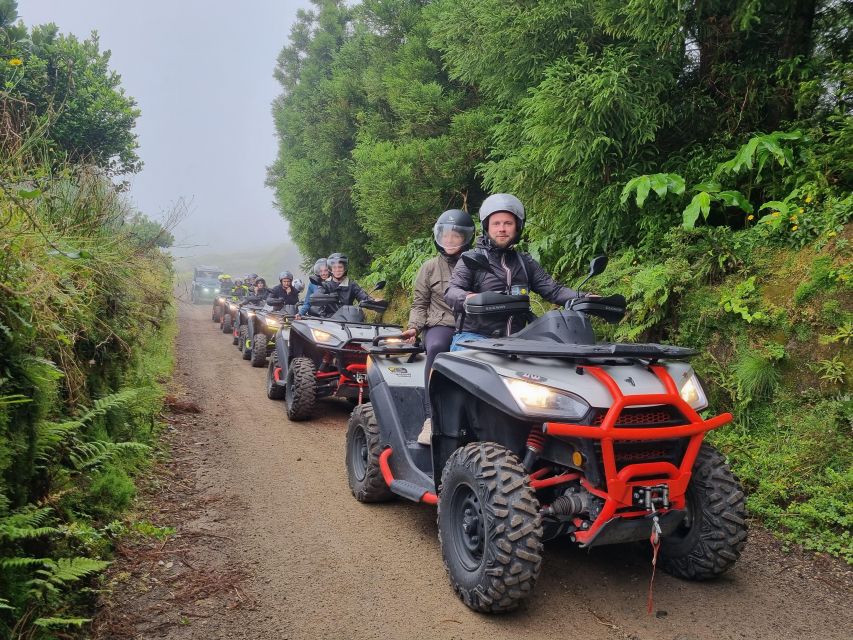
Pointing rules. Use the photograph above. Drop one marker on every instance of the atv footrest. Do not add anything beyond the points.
(408, 489)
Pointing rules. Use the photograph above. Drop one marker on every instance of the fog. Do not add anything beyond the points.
(201, 72)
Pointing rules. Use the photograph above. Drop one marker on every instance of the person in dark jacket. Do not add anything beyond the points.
(259, 292)
(430, 316)
(502, 217)
(348, 291)
(285, 290)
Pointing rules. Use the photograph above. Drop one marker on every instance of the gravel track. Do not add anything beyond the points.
(318, 564)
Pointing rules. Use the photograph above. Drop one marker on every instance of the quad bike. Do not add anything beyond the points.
(246, 316)
(263, 327)
(320, 357)
(220, 306)
(205, 284)
(547, 433)
(230, 311)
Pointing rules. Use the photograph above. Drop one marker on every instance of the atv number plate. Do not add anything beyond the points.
(651, 498)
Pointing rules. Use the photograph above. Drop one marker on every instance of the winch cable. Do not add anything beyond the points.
(654, 539)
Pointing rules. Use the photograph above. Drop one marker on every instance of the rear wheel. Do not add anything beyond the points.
(259, 350)
(713, 534)
(216, 313)
(489, 527)
(242, 335)
(245, 342)
(301, 389)
(274, 391)
(363, 449)
(226, 323)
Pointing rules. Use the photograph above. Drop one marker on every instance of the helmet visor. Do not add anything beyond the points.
(452, 238)
(342, 260)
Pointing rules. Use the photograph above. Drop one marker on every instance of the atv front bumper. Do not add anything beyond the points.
(624, 485)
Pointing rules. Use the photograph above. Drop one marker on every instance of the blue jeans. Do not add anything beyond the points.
(465, 335)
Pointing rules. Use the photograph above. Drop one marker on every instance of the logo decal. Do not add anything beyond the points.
(400, 371)
(530, 376)
(630, 380)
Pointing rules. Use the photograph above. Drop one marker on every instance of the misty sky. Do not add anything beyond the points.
(201, 71)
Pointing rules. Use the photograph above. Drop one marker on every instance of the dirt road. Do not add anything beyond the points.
(265, 516)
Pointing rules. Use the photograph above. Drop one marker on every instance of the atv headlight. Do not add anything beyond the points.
(272, 322)
(537, 399)
(323, 336)
(693, 394)
(251, 314)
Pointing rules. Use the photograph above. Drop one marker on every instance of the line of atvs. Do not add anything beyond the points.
(543, 434)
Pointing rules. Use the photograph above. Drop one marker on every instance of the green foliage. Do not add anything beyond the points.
(86, 327)
(69, 89)
(735, 115)
(756, 376)
(738, 300)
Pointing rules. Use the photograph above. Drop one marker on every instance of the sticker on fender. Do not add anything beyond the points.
(402, 372)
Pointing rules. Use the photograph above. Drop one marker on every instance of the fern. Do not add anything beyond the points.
(21, 563)
(26, 524)
(60, 622)
(88, 455)
(52, 435)
(58, 574)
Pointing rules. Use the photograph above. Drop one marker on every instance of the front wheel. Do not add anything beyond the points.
(489, 527)
(226, 323)
(713, 534)
(242, 337)
(216, 313)
(259, 350)
(301, 389)
(363, 449)
(274, 390)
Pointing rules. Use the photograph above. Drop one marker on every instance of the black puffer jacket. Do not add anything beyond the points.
(289, 298)
(529, 274)
(348, 291)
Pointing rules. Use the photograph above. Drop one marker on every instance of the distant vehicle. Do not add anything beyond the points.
(205, 285)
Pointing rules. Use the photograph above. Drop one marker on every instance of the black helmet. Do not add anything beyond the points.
(453, 221)
(260, 281)
(337, 258)
(502, 202)
(285, 274)
(238, 283)
(319, 266)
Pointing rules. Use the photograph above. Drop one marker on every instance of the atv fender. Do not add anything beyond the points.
(459, 416)
(398, 408)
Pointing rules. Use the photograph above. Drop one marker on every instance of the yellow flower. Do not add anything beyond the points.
(793, 218)
(831, 234)
(16, 62)
(800, 209)
(794, 228)
(808, 199)
(775, 214)
(750, 217)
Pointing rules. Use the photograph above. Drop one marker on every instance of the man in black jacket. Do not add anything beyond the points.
(285, 290)
(502, 218)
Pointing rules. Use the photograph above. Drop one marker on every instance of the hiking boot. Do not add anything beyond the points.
(425, 436)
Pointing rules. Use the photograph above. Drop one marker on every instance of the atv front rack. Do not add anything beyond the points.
(520, 347)
(623, 485)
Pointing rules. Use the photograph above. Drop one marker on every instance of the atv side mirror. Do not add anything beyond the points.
(476, 261)
(379, 285)
(597, 265)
